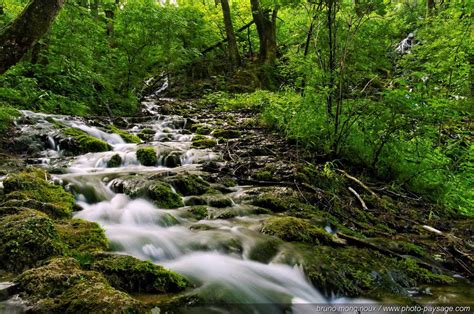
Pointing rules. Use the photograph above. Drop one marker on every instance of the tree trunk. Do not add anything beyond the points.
(22, 34)
(266, 29)
(229, 30)
(430, 5)
(331, 17)
(95, 8)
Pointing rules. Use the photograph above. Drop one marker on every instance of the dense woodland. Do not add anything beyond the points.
(380, 88)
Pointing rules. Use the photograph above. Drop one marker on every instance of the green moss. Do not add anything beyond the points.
(200, 141)
(221, 202)
(146, 134)
(226, 133)
(147, 156)
(264, 250)
(26, 238)
(295, 229)
(33, 184)
(114, 161)
(163, 196)
(199, 212)
(189, 184)
(82, 236)
(228, 181)
(202, 129)
(133, 275)
(62, 286)
(195, 200)
(127, 137)
(280, 203)
(86, 143)
(264, 175)
(353, 271)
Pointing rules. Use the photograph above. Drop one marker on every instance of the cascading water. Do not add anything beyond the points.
(215, 259)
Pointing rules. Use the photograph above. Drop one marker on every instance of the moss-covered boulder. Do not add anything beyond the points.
(295, 229)
(127, 137)
(195, 200)
(146, 134)
(354, 271)
(62, 286)
(226, 133)
(26, 238)
(129, 274)
(147, 156)
(163, 196)
(199, 212)
(189, 184)
(114, 161)
(278, 203)
(82, 236)
(201, 141)
(220, 202)
(172, 159)
(33, 184)
(202, 129)
(83, 143)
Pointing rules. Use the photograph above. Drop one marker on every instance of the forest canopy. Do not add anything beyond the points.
(327, 74)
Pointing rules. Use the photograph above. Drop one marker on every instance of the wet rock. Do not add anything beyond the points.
(226, 133)
(264, 250)
(296, 229)
(201, 141)
(220, 202)
(79, 142)
(63, 287)
(127, 137)
(114, 161)
(189, 184)
(26, 238)
(147, 156)
(199, 212)
(32, 186)
(163, 196)
(202, 129)
(354, 271)
(172, 159)
(146, 134)
(195, 200)
(82, 236)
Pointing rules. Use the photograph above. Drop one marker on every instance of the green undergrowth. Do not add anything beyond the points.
(402, 141)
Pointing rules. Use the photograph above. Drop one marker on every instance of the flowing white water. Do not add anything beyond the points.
(215, 258)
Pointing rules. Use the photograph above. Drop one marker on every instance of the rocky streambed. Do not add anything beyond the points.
(189, 207)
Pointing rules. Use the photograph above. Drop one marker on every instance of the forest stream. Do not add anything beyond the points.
(210, 228)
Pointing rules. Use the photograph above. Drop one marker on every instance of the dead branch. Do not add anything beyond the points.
(365, 187)
(364, 206)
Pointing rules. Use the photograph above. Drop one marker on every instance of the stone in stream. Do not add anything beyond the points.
(114, 161)
(189, 184)
(147, 156)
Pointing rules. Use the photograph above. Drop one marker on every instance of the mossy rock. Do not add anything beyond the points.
(199, 212)
(127, 137)
(114, 161)
(189, 184)
(264, 250)
(200, 141)
(263, 175)
(82, 236)
(226, 133)
(354, 271)
(296, 229)
(163, 196)
(146, 134)
(26, 238)
(147, 156)
(220, 202)
(84, 142)
(195, 200)
(172, 159)
(227, 181)
(33, 184)
(130, 274)
(62, 286)
(201, 129)
(278, 203)
(21, 200)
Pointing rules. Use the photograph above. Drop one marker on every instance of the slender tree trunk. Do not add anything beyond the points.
(266, 29)
(95, 8)
(22, 34)
(229, 30)
(430, 5)
(331, 16)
